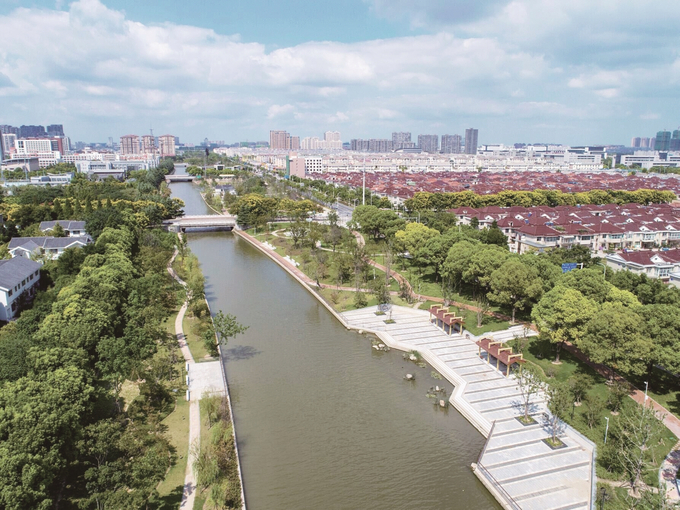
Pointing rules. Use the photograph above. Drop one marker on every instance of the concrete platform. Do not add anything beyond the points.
(517, 466)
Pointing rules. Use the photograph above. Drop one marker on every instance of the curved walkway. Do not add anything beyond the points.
(189, 492)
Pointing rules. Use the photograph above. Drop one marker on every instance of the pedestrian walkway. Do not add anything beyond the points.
(517, 466)
(668, 475)
(202, 379)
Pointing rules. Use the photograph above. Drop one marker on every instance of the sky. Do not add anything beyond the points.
(560, 71)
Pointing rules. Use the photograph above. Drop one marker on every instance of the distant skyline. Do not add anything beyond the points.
(567, 71)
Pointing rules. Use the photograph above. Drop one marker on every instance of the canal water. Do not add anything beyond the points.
(323, 420)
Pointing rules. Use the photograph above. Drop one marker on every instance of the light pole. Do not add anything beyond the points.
(646, 388)
(604, 268)
(606, 429)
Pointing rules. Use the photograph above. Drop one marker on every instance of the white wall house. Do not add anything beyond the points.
(52, 247)
(17, 275)
(72, 228)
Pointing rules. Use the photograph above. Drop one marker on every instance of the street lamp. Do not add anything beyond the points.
(646, 388)
(606, 429)
(604, 268)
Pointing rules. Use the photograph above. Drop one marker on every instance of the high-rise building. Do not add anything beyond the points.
(428, 143)
(166, 144)
(55, 130)
(372, 145)
(652, 142)
(644, 143)
(129, 144)
(451, 144)
(294, 143)
(2, 149)
(471, 140)
(8, 141)
(635, 141)
(663, 141)
(279, 140)
(6, 129)
(32, 132)
(148, 144)
(675, 141)
(402, 140)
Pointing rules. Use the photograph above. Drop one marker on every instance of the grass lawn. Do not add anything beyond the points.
(129, 391)
(489, 324)
(541, 353)
(663, 387)
(201, 497)
(345, 299)
(177, 423)
(191, 326)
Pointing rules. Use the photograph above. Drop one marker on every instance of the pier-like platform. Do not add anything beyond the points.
(516, 465)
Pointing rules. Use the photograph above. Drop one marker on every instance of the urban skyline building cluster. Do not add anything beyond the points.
(26, 141)
(134, 145)
(401, 141)
(663, 141)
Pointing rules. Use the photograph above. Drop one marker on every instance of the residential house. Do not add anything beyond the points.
(654, 264)
(72, 228)
(52, 247)
(17, 275)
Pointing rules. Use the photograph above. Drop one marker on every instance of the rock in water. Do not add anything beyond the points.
(409, 377)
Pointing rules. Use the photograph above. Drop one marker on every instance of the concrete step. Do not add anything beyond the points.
(489, 463)
(533, 470)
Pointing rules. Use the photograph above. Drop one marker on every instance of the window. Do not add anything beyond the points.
(10, 292)
(664, 271)
(14, 306)
(31, 277)
(551, 239)
(23, 283)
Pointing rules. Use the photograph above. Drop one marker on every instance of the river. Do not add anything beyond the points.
(323, 420)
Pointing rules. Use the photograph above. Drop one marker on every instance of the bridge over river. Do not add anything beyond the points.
(206, 222)
(178, 178)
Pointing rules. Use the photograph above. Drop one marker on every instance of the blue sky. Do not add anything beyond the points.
(570, 71)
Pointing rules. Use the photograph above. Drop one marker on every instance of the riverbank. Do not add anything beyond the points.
(581, 495)
(200, 386)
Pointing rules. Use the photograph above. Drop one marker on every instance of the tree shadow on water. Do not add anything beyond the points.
(241, 352)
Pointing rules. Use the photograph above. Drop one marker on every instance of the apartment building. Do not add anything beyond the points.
(428, 143)
(471, 135)
(166, 145)
(129, 144)
(451, 144)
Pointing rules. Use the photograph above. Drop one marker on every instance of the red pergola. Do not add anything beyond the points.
(446, 317)
(501, 353)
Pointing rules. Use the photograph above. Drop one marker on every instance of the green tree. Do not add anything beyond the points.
(613, 338)
(662, 325)
(516, 285)
(634, 433)
(563, 315)
(227, 327)
(58, 231)
(529, 384)
(486, 259)
(560, 402)
(588, 282)
(458, 260)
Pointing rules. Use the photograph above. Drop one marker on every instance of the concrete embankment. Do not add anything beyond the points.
(201, 381)
(518, 468)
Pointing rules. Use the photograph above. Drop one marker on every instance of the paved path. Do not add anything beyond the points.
(668, 473)
(516, 465)
(202, 378)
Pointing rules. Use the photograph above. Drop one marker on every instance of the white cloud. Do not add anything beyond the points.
(276, 110)
(486, 65)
